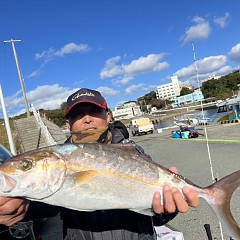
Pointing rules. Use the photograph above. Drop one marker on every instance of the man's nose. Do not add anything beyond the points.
(87, 118)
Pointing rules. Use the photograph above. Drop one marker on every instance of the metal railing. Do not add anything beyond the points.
(49, 138)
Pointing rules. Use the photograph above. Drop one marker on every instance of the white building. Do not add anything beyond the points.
(170, 90)
(126, 111)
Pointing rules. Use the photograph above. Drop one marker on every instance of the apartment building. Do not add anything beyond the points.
(170, 90)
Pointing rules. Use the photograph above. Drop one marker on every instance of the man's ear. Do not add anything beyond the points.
(68, 124)
(109, 117)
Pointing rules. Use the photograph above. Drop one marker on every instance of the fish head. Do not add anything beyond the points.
(34, 175)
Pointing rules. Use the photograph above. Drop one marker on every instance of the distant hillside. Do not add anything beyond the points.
(222, 88)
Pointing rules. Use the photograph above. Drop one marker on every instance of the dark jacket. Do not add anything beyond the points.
(108, 224)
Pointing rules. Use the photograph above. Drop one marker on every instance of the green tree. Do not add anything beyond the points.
(147, 98)
(63, 106)
(158, 103)
(221, 88)
(185, 91)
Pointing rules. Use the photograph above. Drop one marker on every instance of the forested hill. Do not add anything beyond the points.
(222, 88)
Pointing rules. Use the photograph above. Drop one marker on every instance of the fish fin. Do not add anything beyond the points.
(221, 193)
(147, 211)
(83, 177)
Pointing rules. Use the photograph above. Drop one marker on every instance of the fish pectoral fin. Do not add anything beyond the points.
(148, 211)
(83, 177)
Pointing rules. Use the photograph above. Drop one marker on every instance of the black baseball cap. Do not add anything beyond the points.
(85, 95)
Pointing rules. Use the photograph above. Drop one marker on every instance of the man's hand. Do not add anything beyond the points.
(12, 210)
(173, 200)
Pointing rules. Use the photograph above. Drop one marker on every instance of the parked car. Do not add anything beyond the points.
(20, 230)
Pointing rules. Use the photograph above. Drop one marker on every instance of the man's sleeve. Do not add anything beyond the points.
(163, 218)
(38, 210)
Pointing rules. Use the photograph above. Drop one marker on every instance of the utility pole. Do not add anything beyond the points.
(19, 73)
(7, 125)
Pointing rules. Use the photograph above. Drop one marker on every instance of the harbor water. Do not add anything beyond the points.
(198, 115)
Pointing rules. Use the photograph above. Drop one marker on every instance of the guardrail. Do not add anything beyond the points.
(49, 138)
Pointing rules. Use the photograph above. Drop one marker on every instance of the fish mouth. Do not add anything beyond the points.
(7, 183)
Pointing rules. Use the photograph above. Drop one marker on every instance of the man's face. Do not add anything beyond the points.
(87, 116)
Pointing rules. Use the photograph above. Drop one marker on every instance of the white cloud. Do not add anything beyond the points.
(47, 97)
(69, 48)
(107, 92)
(13, 102)
(225, 70)
(51, 54)
(150, 88)
(111, 69)
(124, 81)
(200, 30)
(206, 67)
(134, 88)
(235, 53)
(212, 63)
(222, 22)
(34, 74)
(204, 76)
(150, 63)
(46, 54)
(72, 48)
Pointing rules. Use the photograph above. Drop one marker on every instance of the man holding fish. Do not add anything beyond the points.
(89, 120)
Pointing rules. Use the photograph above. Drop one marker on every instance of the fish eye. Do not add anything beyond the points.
(25, 165)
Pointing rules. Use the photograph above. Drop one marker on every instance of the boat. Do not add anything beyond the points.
(228, 110)
(186, 122)
(204, 120)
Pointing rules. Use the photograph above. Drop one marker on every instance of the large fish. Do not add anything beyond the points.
(92, 176)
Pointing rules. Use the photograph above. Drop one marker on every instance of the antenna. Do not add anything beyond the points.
(205, 130)
(195, 63)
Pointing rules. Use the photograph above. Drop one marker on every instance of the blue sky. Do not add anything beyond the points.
(123, 48)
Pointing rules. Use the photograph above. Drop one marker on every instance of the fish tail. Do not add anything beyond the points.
(219, 197)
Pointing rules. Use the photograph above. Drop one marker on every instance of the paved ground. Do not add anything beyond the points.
(192, 160)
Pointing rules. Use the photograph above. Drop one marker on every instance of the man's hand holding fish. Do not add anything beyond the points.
(173, 200)
(12, 210)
